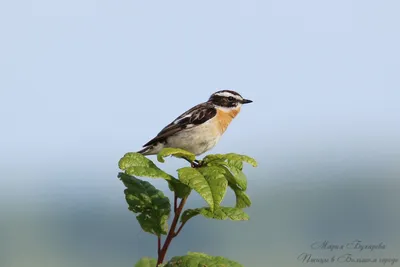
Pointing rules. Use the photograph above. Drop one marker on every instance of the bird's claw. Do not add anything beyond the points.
(196, 163)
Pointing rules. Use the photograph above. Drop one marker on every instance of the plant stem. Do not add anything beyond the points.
(171, 233)
(194, 164)
(179, 229)
(159, 244)
(175, 203)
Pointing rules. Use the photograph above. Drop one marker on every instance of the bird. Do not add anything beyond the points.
(200, 128)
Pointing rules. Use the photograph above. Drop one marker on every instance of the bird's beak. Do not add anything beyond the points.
(246, 101)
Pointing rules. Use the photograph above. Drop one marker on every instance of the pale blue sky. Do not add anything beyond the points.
(83, 82)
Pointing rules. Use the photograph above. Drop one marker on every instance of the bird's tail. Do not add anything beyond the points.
(152, 149)
(146, 151)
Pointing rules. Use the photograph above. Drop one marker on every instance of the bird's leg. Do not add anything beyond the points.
(188, 160)
(195, 163)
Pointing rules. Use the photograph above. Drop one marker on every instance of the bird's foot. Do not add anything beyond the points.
(196, 163)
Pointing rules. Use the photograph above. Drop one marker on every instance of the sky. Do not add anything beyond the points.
(86, 79)
(82, 82)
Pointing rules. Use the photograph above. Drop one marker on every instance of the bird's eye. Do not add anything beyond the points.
(231, 98)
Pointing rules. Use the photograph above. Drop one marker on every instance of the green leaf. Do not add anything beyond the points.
(237, 176)
(215, 177)
(213, 159)
(222, 213)
(230, 156)
(193, 178)
(233, 173)
(153, 222)
(242, 199)
(234, 163)
(147, 172)
(134, 159)
(188, 214)
(200, 259)
(181, 190)
(243, 158)
(176, 152)
(200, 254)
(146, 262)
(209, 182)
(152, 206)
(138, 165)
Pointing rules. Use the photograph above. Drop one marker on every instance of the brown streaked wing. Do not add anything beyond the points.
(198, 115)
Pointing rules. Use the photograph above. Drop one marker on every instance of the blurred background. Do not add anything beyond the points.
(85, 81)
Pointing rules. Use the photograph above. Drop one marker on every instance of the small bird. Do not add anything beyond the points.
(200, 128)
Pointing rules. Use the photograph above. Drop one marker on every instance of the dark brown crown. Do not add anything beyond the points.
(226, 98)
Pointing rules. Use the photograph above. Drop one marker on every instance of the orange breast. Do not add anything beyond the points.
(225, 118)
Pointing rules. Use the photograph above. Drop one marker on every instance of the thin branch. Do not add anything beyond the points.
(159, 245)
(175, 202)
(171, 233)
(179, 229)
(195, 163)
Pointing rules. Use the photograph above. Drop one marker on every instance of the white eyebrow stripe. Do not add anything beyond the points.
(227, 94)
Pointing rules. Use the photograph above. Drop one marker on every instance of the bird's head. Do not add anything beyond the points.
(227, 99)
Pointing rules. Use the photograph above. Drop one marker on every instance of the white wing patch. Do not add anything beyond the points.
(182, 117)
(194, 115)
